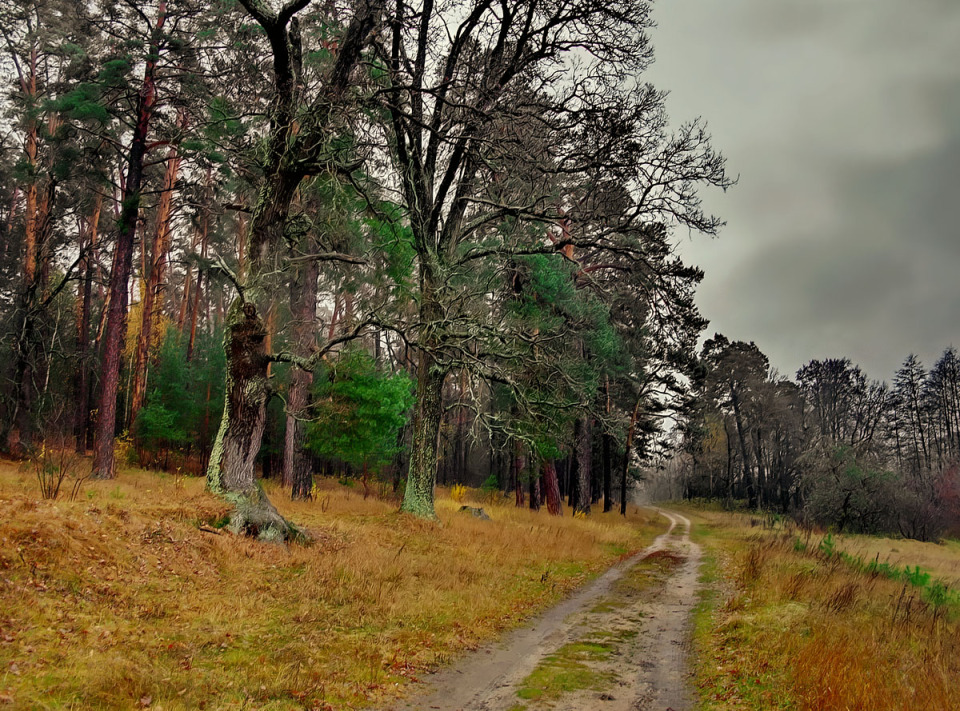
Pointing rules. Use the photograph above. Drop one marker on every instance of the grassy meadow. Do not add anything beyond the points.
(130, 597)
(800, 620)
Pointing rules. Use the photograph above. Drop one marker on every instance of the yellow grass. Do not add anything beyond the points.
(794, 629)
(942, 560)
(120, 600)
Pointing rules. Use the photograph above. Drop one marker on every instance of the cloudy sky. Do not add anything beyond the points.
(842, 120)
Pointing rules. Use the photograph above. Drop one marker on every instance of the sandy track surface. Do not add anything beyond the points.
(643, 630)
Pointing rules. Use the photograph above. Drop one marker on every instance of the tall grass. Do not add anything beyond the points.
(810, 627)
(129, 597)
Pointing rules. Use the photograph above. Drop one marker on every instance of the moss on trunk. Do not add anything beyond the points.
(422, 475)
(231, 472)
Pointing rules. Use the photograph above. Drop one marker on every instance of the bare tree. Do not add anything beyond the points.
(496, 112)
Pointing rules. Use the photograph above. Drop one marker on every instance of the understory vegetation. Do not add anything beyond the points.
(130, 595)
(793, 620)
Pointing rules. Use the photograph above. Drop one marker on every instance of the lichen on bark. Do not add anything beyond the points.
(418, 497)
(231, 473)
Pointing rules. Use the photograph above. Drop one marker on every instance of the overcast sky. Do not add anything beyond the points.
(842, 120)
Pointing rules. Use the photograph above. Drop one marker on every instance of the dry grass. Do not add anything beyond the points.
(796, 629)
(942, 560)
(120, 600)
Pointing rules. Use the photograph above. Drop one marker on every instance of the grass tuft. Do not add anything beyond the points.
(567, 670)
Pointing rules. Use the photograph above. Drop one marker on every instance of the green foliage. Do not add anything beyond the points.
(221, 120)
(490, 484)
(393, 238)
(828, 546)
(937, 594)
(115, 72)
(358, 412)
(83, 103)
(934, 592)
(916, 577)
(848, 490)
(157, 427)
(185, 400)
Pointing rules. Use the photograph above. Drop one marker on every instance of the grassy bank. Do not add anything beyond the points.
(127, 597)
(788, 622)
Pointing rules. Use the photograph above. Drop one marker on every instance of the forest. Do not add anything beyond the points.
(834, 447)
(341, 339)
(401, 246)
(385, 244)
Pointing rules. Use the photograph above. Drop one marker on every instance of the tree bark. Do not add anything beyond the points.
(36, 255)
(421, 477)
(535, 495)
(607, 474)
(631, 429)
(584, 454)
(103, 463)
(152, 306)
(85, 289)
(195, 309)
(744, 452)
(551, 487)
(231, 472)
(297, 471)
(607, 463)
(516, 473)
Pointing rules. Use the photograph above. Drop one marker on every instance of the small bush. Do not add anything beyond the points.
(124, 451)
(53, 467)
(828, 546)
(937, 594)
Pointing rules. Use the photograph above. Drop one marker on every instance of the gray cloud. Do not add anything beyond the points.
(842, 118)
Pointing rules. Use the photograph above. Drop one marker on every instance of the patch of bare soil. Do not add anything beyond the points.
(619, 644)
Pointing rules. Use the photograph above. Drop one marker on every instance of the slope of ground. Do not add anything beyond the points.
(787, 622)
(126, 597)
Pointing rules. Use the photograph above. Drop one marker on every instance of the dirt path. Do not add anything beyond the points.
(619, 644)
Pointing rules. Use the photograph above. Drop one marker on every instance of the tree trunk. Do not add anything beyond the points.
(607, 464)
(231, 472)
(631, 429)
(297, 472)
(534, 487)
(82, 382)
(422, 473)
(551, 487)
(103, 464)
(744, 453)
(607, 474)
(28, 367)
(516, 473)
(152, 306)
(584, 454)
(195, 309)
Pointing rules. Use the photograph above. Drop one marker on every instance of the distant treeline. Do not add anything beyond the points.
(832, 446)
